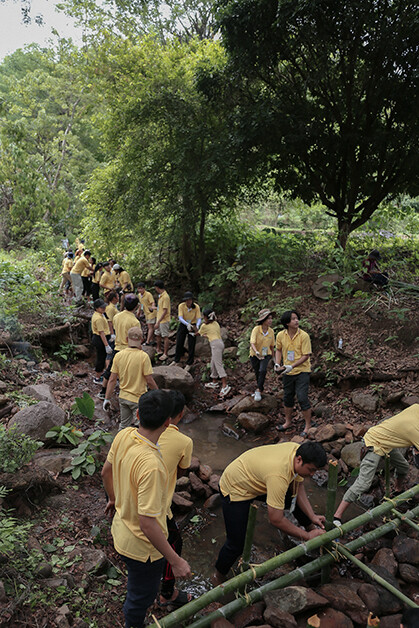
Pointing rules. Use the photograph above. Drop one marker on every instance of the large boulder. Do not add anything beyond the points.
(202, 347)
(294, 599)
(253, 421)
(174, 378)
(42, 392)
(331, 618)
(322, 287)
(37, 420)
(385, 558)
(150, 351)
(248, 404)
(406, 549)
(364, 401)
(344, 599)
(388, 603)
(55, 460)
(351, 454)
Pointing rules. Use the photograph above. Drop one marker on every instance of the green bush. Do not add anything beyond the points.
(12, 533)
(15, 449)
(84, 459)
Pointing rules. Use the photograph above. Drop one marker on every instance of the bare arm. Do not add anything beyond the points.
(278, 519)
(103, 337)
(111, 385)
(164, 312)
(151, 384)
(278, 356)
(304, 504)
(155, 535)
(107, 480)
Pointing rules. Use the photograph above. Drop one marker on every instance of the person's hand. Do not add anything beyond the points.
(110, 509)
(108, 350)
(259, 357)
(157, 325)
(189, 326)
(181, 568)
(113, 337)
(278, 368)
(316, 532)
(287, 369)
(319, 520)
(106, 405)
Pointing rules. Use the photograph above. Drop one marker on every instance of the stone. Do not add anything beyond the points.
(3, 400)
(248, 404)
(61, 621)
(202, 347)
(214, 482)
(344, 599)
(189, 417)
(331, 618)
(204, 472)
(221, 622)
(230, 352)
(66, 581)
(371, 597)
(394, 397)
(325, 433)
(82, 351)
(194, 466)
(42, 392)
(3, 386)
(230, 431)
(213, 501)
(409, 573)
(54, 460)
(174, 378)
(250, 615)
(294, 599)
(391, 621)
(94, 560)
(385, 558)
(181, 504)
(182, 484)
(226, 405)
(351, 454)
(37, 420)
(44, 366)
(388, 603)
(278, 618)
(343, 467)
(406, 549)
(185, 494)
(44, 570)
(197, 485)
(64, 610)
(322, 410)
(359, 430)
(364, 401)
(409, 400)
(253, 421)
(322, 287)
(150, 351)
(340, 429)
(320, 477)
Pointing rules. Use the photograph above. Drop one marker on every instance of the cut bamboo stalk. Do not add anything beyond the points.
(374, 576)
(294, 576)
(180, 615)
(250, 530)
(412, 524)
(332, 483)
(387, 474)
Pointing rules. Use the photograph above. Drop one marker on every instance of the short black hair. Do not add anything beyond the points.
(286, 317)
(141, 284)
(86, 252)
(312, 453)
(178, 400)
(131, 301)
(159, 284)
(410, 618)
(154, 408)
(110, 296)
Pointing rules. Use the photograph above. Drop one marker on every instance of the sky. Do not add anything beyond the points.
(14, 34)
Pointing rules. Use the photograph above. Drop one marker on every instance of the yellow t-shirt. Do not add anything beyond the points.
(107, 281)
(99, 323)
(139, 478)
(67, 265)
(132, 365)
(162, 303)
(191, 315)
(263, 342)
(124, 280)
(176, 449)
(85, 272)
(293, 349)
(81, 264)
(111, 311)
(211, 331)
(96, 276)
(122, 322)
(401, 430)
(262, 470)
(146, 300)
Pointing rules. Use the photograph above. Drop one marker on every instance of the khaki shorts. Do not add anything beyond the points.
(163, 330)
(151, 321)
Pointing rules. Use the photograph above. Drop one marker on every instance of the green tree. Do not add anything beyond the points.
(329, 97)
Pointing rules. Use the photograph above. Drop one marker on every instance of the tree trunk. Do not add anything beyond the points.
(344, 229)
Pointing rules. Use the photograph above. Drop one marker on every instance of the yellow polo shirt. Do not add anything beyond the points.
(176, 449)
(139, 478)
(96, 276)
(107, 281)
(262, 470)
(124, 280)
(211, 331)
(263, 342)
(401, 430)
(111, 311)
(122, 322)
(99, 323)
(162, 303)
(293, 349)
(85, 272)
(191, 315)
(67, 265)
(132, 365)
(80, 265)
(146, 300)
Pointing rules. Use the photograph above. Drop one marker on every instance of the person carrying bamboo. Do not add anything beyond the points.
(384, 439)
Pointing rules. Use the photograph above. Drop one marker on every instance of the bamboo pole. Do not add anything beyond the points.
(294, 576)
(250, 530)
(386, 585)
(332, 483)
(412, 524)
(387, 473)
(178, 616)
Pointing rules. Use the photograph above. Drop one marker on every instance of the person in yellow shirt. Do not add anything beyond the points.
(293, 348)
(86, 277)
(384, 439)
(111, 311)
(123, 278)
(82, 263)
(108, 279)
(149, 309)
(133, 368)
(65, 272)
(162, 328)
(97, 271)
(277, 471)
(100, 338)
(176, 450)
(189, 315)
(136, 482)
(262, 342)
(210, 329)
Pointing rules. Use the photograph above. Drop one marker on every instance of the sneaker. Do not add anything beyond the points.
(224, 391)
(337, 522)
(98, 380)
(211, 385)
(188, 367)
(163, 357)
(101, 395)
(257, 396)
(174, 363)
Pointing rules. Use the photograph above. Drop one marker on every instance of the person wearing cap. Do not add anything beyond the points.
(81, 264)
(123, 278)
(148, 307)
(111, 309)
(108, 279)
(189, 315)
(293, 348)
(372, 272)
(101, 337)
(262, 342)
(133, 368)
(210, 329)
(65, 272)
(162, 328)
(381, 440)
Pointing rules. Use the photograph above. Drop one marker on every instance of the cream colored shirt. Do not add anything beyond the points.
(401, 430)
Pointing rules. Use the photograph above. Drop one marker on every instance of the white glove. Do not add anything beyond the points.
(113, 337)
(259, 357)
(287, 369)
(108, 350)
(278, 368)
(106, 405)
(189, 326)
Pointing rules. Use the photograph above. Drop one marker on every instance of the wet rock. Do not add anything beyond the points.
(351, 454)
(320, 477)
(385, 558)
(44, 570)
(174, 378)
(197, 485)
(253, 421)
(181, 503)
(388, 603)
(331, 618)
(37, 420)
(82, 351)
(344, 599)
(409, 573)
(230, 431)
(189, 417)
(53, 460)
(226, 405)
(406, 549)
(278, 618)
(214, 482)
(250, 615)
(3, 596)
(325, 433)
(204, 472)
(213, 501)
(364, 401)
(248, 404)
(294, 599)
(182, 484)
(391, 621)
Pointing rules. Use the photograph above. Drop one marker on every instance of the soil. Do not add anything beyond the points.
(379, 355)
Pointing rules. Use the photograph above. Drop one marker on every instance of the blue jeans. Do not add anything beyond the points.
(142, 588)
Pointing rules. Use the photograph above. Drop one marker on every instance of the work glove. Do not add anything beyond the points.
(287, 369)
(278, 368)
(259, 357)
(189, 326)
(113, 337)
(108, 350)
(106, 405)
